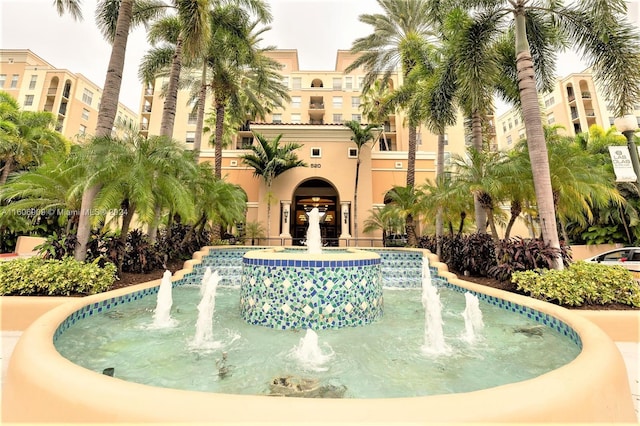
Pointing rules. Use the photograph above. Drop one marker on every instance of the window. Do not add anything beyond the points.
(82, 130)
(85, 114)
(28, 100)
(551, 119)
(356, 117)
(337, 118)
(510, 125)
(509, 140)
(360, 82)
(87, 96)
(296, 101)
(418, 139)
(521, 134)
(337, 83)
(352, 153)
(14, 81)
(446, 139)
(549, 101)
(3, 78)
(192, 118)
(295, 118)
(32, 83)
(337, 101)
(285, 81)
(355, 102)
(277, 118)
(348, 83)
(516, 122)
(297, 83)
(316, 153)
(191, 137)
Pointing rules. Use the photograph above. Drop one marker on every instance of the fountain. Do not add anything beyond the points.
(206, 308)
(472, 315)
(434, 343)
(162, 315)
(313, 288)
(332, 290)
(309, 354)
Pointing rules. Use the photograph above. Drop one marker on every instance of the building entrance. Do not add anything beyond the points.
(321, 194)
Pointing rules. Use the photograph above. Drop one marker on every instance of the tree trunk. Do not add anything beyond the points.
(153, 227)
(126, 220)
(113, 80)
(171, 98)
(355, 199)
(516, 209)
(202, 98)
(439, 177)
(106, 117)
(219, 133)
(412, 240)
(84, 221)
(535, 139)
(8, 167)
(476, 135)
(411, 156)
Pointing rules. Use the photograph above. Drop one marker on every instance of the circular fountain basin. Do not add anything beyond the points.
(294, 289)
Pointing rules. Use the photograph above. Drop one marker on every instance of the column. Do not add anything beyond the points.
(345, 218)
(285, 218)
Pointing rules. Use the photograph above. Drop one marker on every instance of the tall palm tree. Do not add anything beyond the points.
(269, 160)
(242, 76)
(403, 25)
(598, 30)
(361, 136)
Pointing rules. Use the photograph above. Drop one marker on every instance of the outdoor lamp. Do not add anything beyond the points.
(286, 215)
(346, 216)
(628, 125)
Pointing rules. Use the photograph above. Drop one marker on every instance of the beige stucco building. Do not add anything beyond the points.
(575, 104)
(39, 86)
(320, 102)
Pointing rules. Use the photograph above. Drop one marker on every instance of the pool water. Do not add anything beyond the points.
(380, 360)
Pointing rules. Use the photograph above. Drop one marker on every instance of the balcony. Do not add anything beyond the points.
(316, 106)
(586, 95)
(590, 113)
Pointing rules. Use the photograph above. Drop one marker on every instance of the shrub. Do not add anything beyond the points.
(581, 283)
(519, 254)
(35, 276)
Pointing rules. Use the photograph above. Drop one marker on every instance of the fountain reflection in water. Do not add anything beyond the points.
(309, 354)
(472, 315)
(162, 314)
(434, 343)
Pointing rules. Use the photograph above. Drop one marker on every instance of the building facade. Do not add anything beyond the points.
(72, 98)
(575, 104)
(320, 102)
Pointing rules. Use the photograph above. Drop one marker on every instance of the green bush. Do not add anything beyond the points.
(35, 276)
(581, 283)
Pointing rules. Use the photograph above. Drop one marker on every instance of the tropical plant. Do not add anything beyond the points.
(361, 135)
(397, 32)
(407, 201)
(386, 219)
(269, 160)
(599, 31)
(25, 136)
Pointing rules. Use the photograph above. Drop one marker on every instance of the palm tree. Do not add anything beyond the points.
(607, 41)
(387, 219)
(361, 136)
(375, 108)
(397, 32)
(408, 202)
(25, 136)
(478, 172)
(269, 160)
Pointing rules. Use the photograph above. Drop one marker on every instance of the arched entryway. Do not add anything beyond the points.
(323, 195)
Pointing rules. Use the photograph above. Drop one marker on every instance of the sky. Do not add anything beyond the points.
(317, 28)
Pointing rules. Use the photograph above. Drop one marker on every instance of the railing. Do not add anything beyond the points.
(590, 113)
(316, 106)
(586, 95)
(326, 242)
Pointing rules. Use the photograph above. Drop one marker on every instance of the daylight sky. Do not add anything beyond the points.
(317, 28)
